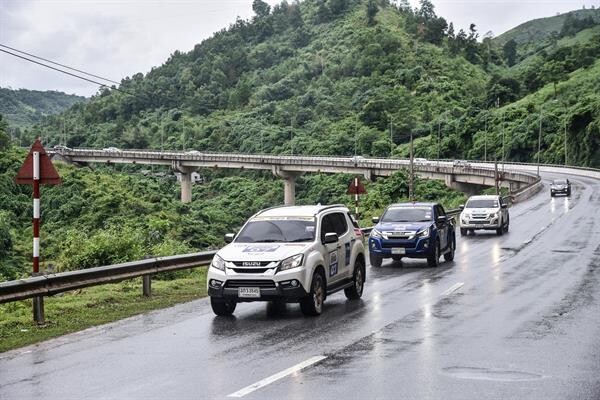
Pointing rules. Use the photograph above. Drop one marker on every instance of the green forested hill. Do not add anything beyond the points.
(332, 77)
(22, 107)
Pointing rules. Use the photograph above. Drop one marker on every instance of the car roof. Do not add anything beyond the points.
(299, 211)
(414, 204)
(484, 197)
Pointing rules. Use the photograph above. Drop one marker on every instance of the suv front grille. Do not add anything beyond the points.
(251, 264)
(236, 283)
(250, 270)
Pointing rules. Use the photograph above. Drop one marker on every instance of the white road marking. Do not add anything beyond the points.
(452, 289)
(277, 376)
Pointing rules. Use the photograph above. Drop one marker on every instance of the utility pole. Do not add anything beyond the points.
(439, 138)
(391, 139)
(539, 143)
(183, 132)
(485, 139)
(411, 194)
(566, 160)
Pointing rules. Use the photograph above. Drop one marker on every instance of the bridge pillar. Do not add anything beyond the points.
(186, 181)
(289, 184)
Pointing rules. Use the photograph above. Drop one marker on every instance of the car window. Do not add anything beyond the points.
(274, 230)
(440, 210)
(340, 224)
(327, 225)
(407, 214)
(354, 223)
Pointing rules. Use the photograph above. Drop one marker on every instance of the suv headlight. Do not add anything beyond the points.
(423, 234)
(375, 233)
(218, 263)
(291, 262)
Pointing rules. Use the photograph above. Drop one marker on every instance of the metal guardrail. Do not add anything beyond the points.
(48, 285)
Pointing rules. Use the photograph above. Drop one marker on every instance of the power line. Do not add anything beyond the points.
(59, 64)
(65, 72)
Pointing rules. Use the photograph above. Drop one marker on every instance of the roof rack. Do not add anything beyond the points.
(331, 206)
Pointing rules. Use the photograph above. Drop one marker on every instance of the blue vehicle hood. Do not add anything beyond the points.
(402, 226)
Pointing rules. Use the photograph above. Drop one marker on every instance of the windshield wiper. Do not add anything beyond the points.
(304, 239)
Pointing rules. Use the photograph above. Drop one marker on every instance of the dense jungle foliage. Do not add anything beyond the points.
(23, 108)
(328, 77)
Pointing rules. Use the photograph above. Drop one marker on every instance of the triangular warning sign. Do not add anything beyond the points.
(48, 174)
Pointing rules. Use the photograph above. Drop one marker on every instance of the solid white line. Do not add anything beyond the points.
(277, 376)
(452, 289)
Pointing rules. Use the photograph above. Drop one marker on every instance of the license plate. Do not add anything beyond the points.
(398, 250)
(252, 292)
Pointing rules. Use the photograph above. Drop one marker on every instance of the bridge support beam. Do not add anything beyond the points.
(186, 181)
(289, 184)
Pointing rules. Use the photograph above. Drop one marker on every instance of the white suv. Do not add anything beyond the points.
(484, 212)
(289, 254)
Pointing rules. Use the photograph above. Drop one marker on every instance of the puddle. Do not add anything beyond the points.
(490, 374)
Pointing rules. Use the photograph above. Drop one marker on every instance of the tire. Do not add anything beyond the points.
(434, 259)
(507, 225)
(312, 304)
(375, 260)
(500, 231)
(355, 291)
(449, 256)
(222, 307)
(568, 192)
(464, 232)
(551, 194)
(471, 231)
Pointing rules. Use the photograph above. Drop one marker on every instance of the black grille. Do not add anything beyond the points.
(236, 283)
(389, 245)
(251, 270)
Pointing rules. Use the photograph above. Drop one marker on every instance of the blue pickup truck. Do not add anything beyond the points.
(412, 230)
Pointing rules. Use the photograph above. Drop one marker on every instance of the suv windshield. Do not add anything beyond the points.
(278, 230)
(559, 182)
(492, 203)
(407, 214)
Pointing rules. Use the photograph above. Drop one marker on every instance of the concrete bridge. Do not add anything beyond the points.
(468, 179)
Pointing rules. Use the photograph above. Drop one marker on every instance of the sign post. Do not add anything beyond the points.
(37, 169)
(356, 188)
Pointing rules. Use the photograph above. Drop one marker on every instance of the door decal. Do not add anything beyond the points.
(333, 263)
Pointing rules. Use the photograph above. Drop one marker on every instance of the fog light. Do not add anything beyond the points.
(215, 283)
(294, 283)
(425, 245)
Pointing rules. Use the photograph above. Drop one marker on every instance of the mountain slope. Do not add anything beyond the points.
(326, 77)
(24, 107)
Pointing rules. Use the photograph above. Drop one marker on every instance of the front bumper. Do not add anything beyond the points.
(419, 248)
(559, 191)
(489, 223)
(279, 286)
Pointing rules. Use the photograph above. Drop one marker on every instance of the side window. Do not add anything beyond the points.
(354, 223)
(327, 225)
(341, 227)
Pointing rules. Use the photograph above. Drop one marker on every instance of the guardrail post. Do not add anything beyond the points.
(38, 310)
(147, 285)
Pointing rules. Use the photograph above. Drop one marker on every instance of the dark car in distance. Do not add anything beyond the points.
(560, 186)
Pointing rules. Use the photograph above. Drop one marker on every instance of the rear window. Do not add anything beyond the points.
(560, 182)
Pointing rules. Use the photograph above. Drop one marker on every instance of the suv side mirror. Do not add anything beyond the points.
(461, 207)
(442, 219)
(375, 220)
(504, 205)
(229, 237)
(331, 237)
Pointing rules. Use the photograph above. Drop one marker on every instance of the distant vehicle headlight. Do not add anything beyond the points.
(291, 262)
(218, 263)
(375, 233)
(423, 233)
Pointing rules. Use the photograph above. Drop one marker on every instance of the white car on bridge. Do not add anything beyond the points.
(489, 212)
(289, 254)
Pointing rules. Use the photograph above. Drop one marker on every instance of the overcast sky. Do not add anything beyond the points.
(118, 38)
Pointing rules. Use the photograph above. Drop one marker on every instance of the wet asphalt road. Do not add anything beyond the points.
(513, 317)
